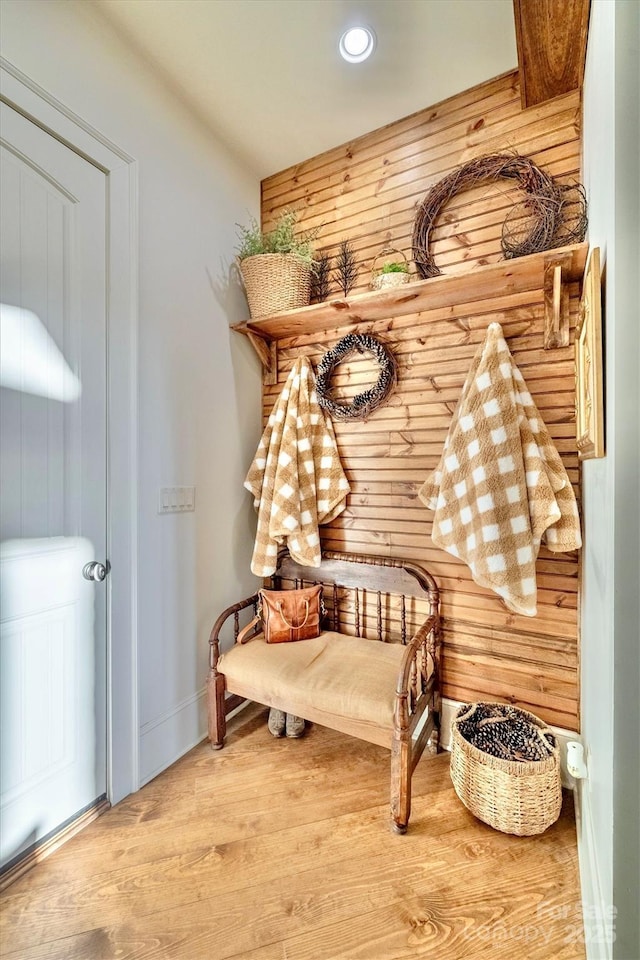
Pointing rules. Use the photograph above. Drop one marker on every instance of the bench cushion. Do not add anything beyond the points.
(348, 677)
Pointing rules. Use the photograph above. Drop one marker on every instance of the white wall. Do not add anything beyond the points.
(199, 383)
(610, 642)
(626, 383)
(596, 655)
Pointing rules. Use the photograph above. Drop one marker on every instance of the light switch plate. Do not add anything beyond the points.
(176, 499)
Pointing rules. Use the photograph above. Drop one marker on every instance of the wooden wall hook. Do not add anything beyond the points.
(556, 301)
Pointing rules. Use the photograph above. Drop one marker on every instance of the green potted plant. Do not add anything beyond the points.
(392, 273)
(276, 264)
(395, 268)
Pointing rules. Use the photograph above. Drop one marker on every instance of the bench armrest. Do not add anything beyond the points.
(214, 639)
(413, 678)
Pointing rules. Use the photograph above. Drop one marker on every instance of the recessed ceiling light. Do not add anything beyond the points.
(357, 43)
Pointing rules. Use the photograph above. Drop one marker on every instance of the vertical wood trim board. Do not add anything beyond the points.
(551, 37)
(367, 192)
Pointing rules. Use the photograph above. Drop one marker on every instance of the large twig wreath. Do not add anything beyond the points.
(549, 221)
(364, 403)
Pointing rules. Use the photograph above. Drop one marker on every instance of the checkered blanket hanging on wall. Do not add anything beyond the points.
(296, 477)
(500, 486)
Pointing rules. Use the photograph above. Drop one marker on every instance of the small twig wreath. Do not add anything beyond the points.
(523, 230)
(544, 207)
(364, 403)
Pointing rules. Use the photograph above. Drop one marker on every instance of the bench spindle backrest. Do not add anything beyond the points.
(403, 619)
(375, 597)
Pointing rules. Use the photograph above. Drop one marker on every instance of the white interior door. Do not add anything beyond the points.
(53, 727)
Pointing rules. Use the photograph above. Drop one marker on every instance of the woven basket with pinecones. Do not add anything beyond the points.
(505, 767)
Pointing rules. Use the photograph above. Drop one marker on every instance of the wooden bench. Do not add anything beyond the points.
(372, 673)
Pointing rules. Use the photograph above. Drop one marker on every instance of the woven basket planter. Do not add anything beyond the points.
(275, 282)
(386, 281)
(519, 797)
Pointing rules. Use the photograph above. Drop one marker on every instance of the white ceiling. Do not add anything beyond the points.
(266, 75)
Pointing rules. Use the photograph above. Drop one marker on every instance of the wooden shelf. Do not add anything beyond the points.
(544, 272)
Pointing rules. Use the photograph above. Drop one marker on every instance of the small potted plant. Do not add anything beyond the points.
(392, 273)
(276, 265)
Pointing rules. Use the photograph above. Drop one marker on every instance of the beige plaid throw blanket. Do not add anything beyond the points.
(500, 485)
(296, 478)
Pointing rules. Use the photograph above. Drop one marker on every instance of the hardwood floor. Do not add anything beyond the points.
(281, 850)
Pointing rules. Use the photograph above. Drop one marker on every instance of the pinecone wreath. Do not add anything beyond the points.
(364, 403)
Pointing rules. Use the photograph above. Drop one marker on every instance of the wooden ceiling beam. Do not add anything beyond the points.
(551, 37)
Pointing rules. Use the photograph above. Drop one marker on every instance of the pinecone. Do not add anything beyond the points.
(505, 732)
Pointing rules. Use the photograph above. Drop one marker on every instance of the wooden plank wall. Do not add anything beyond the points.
(367, 191)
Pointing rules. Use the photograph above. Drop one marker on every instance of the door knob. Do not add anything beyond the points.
(95, 571)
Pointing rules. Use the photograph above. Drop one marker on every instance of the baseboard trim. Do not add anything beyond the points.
(232, 703)
(184, 704)
(183, 726)
(169, 736)
(598, 942)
